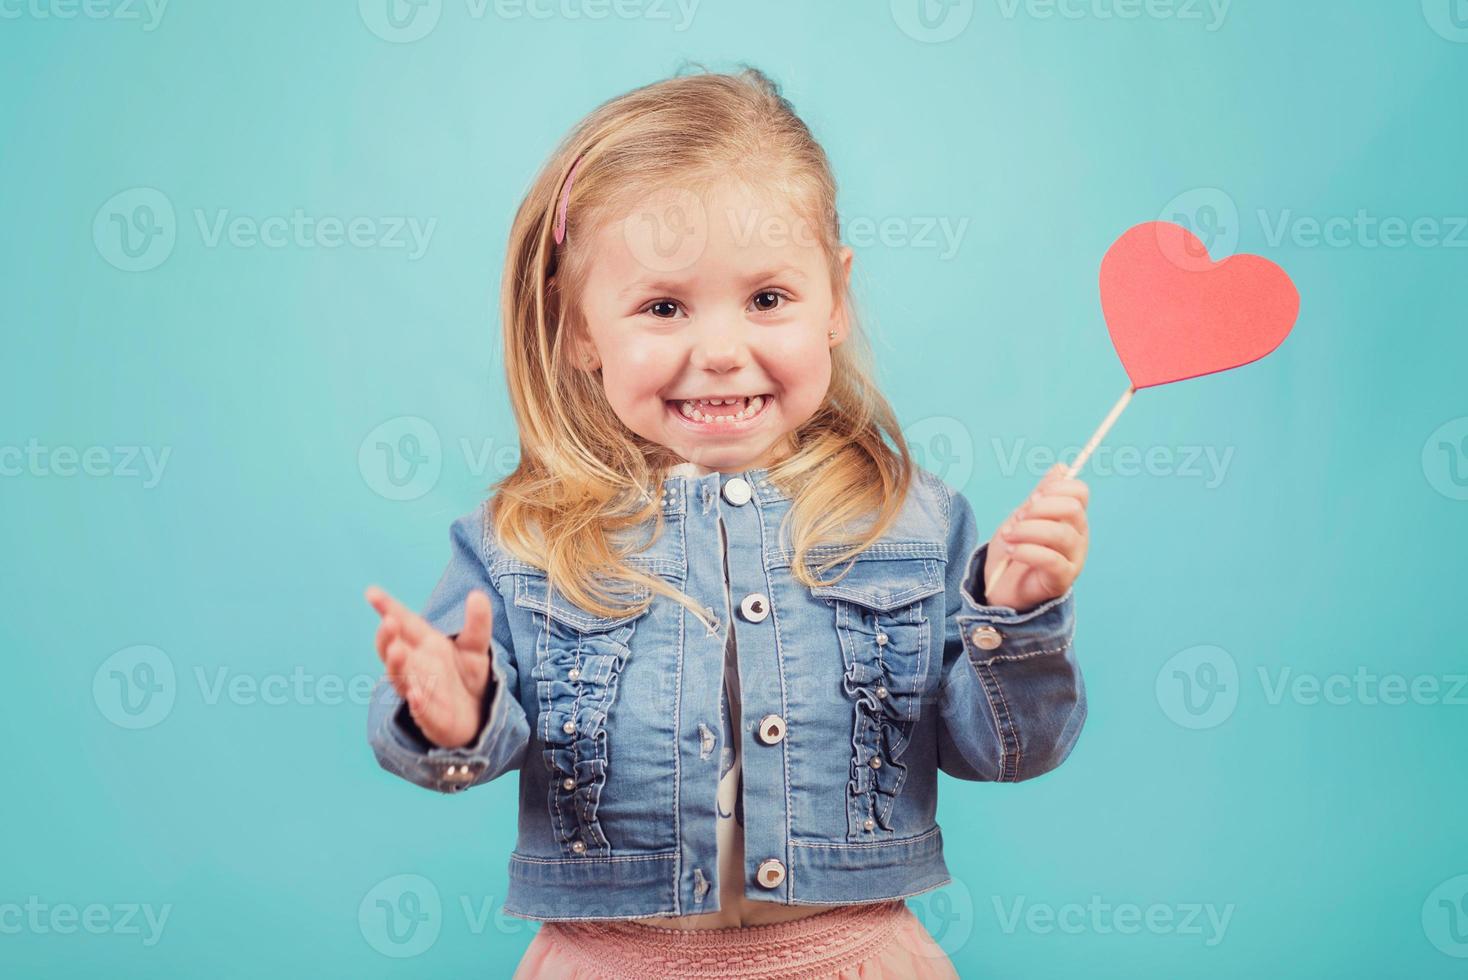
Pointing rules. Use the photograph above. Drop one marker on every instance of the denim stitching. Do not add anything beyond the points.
(581, 827)
(598, 859)
(678, 714)
(542, 697)
(850, 845)
(1019, 749)
(1008, 738)
(1012, 657)
(784, 694)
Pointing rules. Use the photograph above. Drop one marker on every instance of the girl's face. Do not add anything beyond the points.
(723, 297)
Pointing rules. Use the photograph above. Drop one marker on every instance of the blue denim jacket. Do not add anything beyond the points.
(854, 696)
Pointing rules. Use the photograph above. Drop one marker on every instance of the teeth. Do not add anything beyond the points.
(693, 410)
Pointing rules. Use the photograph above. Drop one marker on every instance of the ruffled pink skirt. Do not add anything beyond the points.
(878, 941)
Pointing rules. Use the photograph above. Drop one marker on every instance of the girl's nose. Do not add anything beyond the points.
(719, 349)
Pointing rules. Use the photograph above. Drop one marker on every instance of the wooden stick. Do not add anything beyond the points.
(1075, 467)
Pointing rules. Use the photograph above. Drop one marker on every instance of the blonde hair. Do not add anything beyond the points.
(583, 476)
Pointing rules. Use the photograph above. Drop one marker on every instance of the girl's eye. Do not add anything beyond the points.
(764, 301)
(767, 300)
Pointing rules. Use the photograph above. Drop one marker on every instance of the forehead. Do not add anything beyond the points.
(728, 229)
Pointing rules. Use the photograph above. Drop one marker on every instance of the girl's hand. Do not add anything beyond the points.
(1045, 539)
(441, 679)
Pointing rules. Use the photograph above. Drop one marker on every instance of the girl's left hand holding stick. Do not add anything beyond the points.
(1045, 539)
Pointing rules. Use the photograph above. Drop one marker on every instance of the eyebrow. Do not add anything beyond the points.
(670, 286)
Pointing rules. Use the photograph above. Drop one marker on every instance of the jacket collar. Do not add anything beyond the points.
(690, 481)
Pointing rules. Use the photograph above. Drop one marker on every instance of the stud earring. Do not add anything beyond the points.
(831, 334)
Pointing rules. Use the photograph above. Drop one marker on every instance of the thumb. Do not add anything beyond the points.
(478, 623)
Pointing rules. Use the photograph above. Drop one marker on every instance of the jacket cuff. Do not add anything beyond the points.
(993, 632)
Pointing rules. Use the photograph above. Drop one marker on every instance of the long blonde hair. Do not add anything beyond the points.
(583, 476)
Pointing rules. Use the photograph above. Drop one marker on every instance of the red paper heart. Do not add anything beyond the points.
(1175, 314)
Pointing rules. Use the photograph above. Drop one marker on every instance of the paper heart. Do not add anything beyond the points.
(1175, 314)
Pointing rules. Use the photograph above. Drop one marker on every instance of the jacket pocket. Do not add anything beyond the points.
(578, 659)
(886, 647)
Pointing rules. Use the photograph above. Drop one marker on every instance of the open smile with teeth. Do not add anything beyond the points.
(722, 410)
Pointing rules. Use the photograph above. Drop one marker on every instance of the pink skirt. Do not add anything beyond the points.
(878, 941)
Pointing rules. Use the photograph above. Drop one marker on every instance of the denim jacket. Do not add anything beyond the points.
(853, 697)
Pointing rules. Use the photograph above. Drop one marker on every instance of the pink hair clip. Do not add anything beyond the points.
(565, 201)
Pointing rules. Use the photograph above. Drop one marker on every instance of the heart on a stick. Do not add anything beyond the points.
(1175, 314)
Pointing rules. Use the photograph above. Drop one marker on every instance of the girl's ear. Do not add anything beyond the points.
(583, 352)
(585, 355)
(840, 322)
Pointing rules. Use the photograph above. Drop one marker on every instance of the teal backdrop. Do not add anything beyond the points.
(251, 365)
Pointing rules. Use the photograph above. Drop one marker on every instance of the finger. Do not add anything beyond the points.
(478, 622)
(377, 598)
(1058, 508)
(1052, 534)
(413, 627)
(1068, 488)
(395, 659)
(1047, 560)
(1049, 477)
(387, 631)
(414, 675)
(1052, 476)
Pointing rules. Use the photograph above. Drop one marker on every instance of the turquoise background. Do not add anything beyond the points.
(1332, 541)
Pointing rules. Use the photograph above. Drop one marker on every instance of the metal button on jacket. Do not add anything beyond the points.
(737, 490)
(457, 774)
(770, 873)
(754, 607)
(771, 729)
(986, 637)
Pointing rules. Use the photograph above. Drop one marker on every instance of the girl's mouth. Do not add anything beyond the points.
(733, 415)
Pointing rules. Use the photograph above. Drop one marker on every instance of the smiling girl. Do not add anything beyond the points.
(724, 627)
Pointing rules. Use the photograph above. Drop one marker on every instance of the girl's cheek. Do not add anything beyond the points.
(796, 343)
(640, 372)
(637, 357)
(811, 353)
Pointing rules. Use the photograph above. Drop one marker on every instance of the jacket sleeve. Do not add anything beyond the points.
(1012, 702)
(396, 739)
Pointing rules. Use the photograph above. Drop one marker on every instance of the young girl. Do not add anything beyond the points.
(723, 626)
